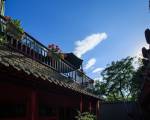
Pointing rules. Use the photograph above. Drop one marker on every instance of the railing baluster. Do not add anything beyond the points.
(63, 71)
(75, 75)
(56, 65)
(11, 41)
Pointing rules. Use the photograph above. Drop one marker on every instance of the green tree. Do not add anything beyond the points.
(119, 81)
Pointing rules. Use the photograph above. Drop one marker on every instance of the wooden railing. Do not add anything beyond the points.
(35, 50)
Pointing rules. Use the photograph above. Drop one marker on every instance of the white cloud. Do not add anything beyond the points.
(90, 63)
(97, 70)
(88, 43)
(98, 78)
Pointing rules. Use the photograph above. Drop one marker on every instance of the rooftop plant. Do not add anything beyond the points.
(54, 48)
(13, 27)
(55, 51)
(17, 23)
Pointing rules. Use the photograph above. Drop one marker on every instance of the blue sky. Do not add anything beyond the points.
(99, 31)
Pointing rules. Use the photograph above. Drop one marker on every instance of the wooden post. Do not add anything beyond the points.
(98, 109)
(90, 106)
(32, 106)
(81, 104)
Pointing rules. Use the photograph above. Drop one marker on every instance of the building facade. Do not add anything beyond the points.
(34, 86)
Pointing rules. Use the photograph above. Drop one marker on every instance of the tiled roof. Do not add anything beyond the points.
(31, 67)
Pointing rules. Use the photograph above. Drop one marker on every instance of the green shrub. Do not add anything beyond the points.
(2, 39)
(85, 116)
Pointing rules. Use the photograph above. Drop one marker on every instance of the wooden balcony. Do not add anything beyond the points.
(32, 48)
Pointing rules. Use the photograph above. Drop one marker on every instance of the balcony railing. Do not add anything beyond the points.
(35, 50)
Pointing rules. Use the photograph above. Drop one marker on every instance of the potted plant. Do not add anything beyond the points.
(13, 28)
(55, 52)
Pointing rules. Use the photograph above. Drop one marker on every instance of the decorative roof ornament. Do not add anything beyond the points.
(147, 36)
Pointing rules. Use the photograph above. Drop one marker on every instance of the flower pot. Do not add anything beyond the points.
(61, 55)
(53, 55)
(49, 54)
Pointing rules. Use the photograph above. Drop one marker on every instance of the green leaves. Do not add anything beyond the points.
(2, 39)
(17, 23)
(118, 82)
(85, 116)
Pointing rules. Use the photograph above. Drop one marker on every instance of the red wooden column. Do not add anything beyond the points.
(81, 104)
(32, 106)
(90, 107)
(98, 110)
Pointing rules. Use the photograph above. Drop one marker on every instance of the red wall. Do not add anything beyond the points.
(13, 93)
